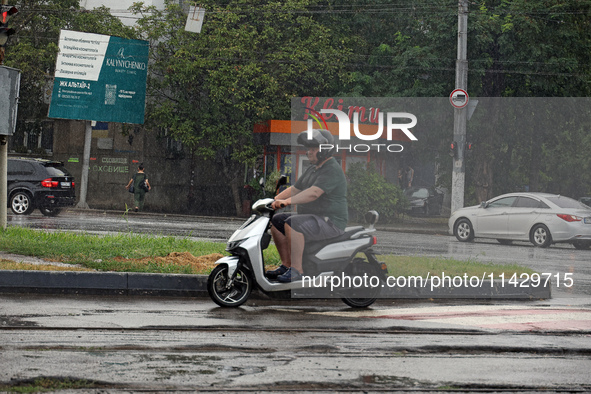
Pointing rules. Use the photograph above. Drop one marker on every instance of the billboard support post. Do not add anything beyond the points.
(85, 166)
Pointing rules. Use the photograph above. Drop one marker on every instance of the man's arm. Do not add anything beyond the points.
(301, 197)
(287, 193)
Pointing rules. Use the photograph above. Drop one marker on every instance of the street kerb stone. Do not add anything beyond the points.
(171, 284)
(196, 285)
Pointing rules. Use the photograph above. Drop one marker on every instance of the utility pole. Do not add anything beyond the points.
(460, 114)
(3, 181)
(3, 160)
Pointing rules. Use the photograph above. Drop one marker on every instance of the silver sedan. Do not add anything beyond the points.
(542, 219)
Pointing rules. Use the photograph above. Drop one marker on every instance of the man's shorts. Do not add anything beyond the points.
(313, 227)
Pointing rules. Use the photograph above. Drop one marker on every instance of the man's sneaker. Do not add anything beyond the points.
(275, 273)
(291, 275)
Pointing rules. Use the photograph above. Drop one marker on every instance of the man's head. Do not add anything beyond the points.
(141, 167)
(320, 145)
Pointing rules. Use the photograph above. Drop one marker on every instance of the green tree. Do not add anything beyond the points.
(208, 90)
(526, 49)
(518, 48)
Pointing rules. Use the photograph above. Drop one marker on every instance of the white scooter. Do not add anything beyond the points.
(231, 281)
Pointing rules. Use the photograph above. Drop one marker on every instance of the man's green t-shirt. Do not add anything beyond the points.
(333, 202)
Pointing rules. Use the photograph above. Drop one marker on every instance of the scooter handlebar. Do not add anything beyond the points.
(280, 205)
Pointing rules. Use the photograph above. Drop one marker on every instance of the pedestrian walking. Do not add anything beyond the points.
(140, 184)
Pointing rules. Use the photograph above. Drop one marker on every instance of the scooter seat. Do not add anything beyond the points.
(314, 246)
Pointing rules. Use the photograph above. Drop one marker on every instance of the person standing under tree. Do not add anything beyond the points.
(401, 179)
(140, 187)
(410, 174)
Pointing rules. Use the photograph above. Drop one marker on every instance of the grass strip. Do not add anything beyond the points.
(128, 252)
(124, 252)
(425, 265)
(13, 265)
(48, 384)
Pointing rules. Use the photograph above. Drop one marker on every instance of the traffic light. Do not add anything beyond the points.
(5, 32)
(453, 149)
(469, 147)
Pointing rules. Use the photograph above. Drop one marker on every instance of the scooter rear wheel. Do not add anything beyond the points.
(234, 296)
(360, 268)
(359, 302)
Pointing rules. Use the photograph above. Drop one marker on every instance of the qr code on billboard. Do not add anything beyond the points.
(110, 94)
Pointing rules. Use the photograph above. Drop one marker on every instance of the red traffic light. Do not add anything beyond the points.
(5, 14)
(5, 32)
(453, 149)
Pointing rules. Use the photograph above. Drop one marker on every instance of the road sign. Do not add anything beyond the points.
(9, 88)
(458, 98)
(195, 19)
(100, 78)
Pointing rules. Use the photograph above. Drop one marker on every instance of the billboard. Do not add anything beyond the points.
(99, 77)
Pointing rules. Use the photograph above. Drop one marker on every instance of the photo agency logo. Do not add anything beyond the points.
(357, 129)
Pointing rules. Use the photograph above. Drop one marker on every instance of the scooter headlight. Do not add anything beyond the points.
(234, 244)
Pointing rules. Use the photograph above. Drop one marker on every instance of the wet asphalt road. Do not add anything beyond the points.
(183, 344)
(132, 344)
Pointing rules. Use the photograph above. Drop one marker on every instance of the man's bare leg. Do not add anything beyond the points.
(283, 246)
(297, 242)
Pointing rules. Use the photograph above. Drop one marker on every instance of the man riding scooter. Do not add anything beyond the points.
(320, 195)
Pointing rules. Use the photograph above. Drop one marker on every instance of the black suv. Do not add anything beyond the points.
(39, 183)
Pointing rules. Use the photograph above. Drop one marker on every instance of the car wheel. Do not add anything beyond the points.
(50, 211)
(463, 230)
(582, 245)
(540, 236)
(505, 241)
(21, 203)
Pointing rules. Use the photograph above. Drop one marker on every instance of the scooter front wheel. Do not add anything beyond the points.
(236, 294)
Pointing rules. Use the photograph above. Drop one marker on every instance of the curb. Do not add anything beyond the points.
(121, 283)
(129, 283)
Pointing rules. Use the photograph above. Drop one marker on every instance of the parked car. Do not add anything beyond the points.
(39, 183)
(424, 200)
(539, 218)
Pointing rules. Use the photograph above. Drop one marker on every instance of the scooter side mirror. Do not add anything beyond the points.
(371, 218)
(281, 182)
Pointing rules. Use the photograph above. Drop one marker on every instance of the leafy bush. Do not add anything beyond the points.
(271, 183)
(368, 190)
